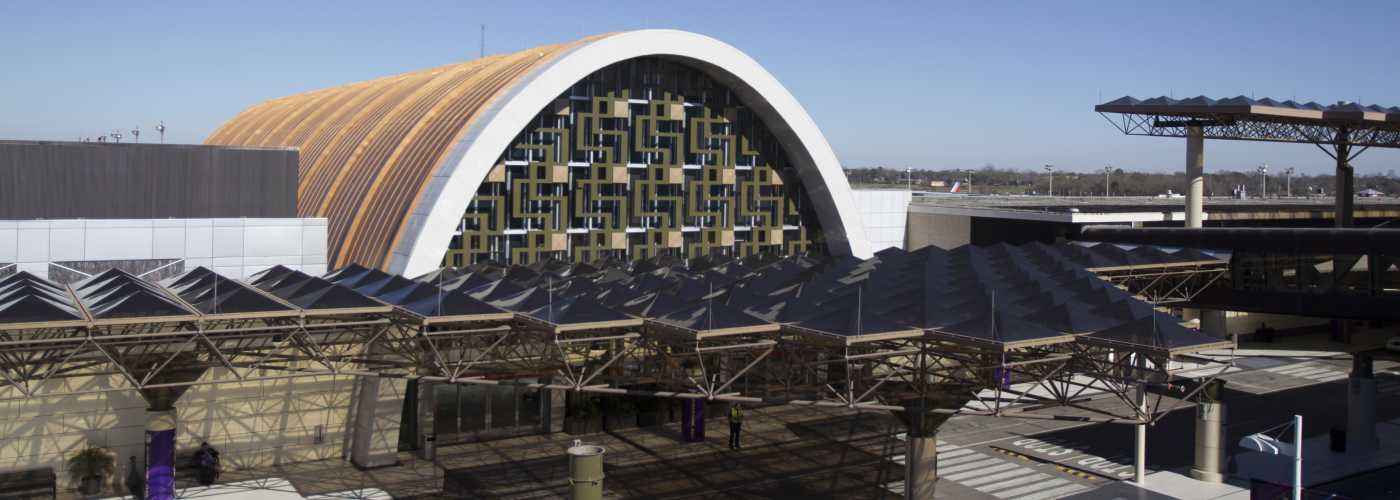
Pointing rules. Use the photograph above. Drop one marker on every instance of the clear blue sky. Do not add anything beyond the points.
(923, 84)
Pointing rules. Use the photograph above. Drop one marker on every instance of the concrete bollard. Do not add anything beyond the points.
(585, 471)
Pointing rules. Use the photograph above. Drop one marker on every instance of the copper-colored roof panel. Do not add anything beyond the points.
(369, 149)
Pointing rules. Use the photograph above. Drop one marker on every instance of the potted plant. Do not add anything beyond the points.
(90, 468)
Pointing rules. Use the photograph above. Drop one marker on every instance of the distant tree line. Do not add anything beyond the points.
(992, 179)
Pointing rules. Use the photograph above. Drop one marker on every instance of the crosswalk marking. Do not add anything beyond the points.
(1310, 371)
(1052, 493)
(975, 482)
(954, 453)
(992, 474)
(1014, 492)
(1013, 482)
(970, 465)
(959, 477)
(958, 460)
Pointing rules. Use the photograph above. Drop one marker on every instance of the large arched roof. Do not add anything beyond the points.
(393, 162)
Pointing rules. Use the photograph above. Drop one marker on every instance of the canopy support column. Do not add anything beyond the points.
(1361, 404)
(1210, 448)
(1195, 176)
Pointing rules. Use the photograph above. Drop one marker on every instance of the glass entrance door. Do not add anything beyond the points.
(468, 412)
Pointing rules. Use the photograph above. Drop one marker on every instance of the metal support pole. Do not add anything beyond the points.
(1195, 176)
(1140, 440)
(1297, 457)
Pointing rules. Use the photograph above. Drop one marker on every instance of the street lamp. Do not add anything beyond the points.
(136, 134)
(1107, 170)
(161, 128)
(1050, 169)
(1263, 180)
(1288, 181)
(909, 174)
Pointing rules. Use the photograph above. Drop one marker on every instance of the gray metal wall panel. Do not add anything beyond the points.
(73, 180)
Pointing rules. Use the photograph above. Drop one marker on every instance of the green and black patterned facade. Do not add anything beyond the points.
(643, 158)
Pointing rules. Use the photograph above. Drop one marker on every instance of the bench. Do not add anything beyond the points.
(28, 484)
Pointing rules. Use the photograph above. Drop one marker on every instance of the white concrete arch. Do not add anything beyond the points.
(435, 217)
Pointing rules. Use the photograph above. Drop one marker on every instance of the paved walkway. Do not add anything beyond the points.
(789, 452)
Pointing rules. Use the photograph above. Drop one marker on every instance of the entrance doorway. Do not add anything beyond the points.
(469, 412)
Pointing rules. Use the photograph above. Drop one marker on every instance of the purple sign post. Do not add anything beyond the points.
(692, 420)
(160, 455)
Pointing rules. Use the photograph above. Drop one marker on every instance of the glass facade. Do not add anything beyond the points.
(643, 158)
(466, 412)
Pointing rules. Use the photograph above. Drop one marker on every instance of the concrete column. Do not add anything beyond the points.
(1209, 465)
(920, 467)
(1361, 404)
(378, 409)
(160, 454)
(1213, 323)
(1195, 176)
(1140, 440)
(1344, 189)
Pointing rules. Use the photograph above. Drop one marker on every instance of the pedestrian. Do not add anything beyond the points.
(207, 459)
(135, 480)
(736, 423)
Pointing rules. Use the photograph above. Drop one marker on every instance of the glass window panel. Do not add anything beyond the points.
(502, 407)
(1388, 274)
(531, 403)
(473, 416)
(445, 409)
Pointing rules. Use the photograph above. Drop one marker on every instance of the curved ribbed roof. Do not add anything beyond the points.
(368, 149)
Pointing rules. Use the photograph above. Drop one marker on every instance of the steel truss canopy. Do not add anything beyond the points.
(979, 323)
(1246, 119)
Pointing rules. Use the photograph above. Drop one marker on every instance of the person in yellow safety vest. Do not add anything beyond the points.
(736, 421)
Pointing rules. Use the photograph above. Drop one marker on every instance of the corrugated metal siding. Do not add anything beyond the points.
(72, 180)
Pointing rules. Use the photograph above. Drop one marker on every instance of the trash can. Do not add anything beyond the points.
(429, 451)
(585, 471)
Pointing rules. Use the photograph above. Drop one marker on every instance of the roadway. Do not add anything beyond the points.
(1036, 459)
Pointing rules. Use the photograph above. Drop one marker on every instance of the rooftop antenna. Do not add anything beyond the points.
(161, 128)
(136, 134)
(117, 136)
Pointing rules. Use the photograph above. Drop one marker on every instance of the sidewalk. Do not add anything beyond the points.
(788, 451)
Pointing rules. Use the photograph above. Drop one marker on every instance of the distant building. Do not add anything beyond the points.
(70, 210)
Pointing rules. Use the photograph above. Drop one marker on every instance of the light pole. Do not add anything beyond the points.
(1107, 170)
(1050, 169)
(1288, 181)
(1263, 180)
(136, 134)
(909, 174)
(161, 128)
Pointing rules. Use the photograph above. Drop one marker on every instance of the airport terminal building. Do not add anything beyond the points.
(619, 146)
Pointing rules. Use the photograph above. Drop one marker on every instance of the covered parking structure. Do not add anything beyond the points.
(919, 333)
(1342, 131)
